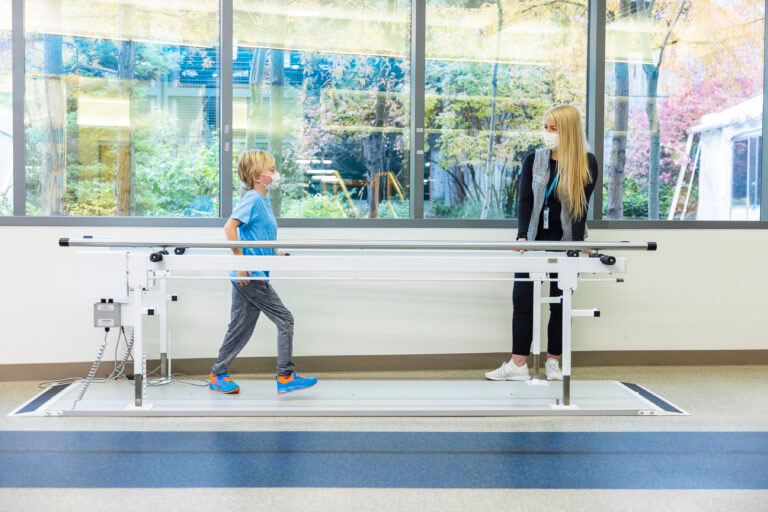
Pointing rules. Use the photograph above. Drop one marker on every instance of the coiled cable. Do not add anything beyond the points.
(94, 368)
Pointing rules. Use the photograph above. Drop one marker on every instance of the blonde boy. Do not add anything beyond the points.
(253, 219)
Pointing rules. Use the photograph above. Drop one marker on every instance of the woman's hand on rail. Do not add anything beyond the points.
(243, 273)
(521, 240)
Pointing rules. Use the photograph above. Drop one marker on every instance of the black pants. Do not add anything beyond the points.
(522, 314)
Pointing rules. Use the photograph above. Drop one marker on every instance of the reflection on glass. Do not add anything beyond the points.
(493, 69)
(122, 108)
(326, 91)
(6, 111)
(683, 109)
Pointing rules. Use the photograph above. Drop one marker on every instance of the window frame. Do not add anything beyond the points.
(595, 133)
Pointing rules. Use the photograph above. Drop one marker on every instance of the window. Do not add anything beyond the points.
(493, 69)
(122, 104)
(122, 107)
(326, 91)
(682, 80)
(6, 111)
(745, 182)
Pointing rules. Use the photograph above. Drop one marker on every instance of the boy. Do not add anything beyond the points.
(253, 220)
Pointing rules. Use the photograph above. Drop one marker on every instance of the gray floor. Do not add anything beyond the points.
(717, 398)
(383, 500)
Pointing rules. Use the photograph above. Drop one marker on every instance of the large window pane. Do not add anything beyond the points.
(122, 108)
(684, 106)
(325, 89)
(493, 69)
(6, 111)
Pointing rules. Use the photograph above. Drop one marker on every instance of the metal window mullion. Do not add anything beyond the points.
(418, 37)
(225, 108)
(17, 80)
(764, 145)
(596, 97)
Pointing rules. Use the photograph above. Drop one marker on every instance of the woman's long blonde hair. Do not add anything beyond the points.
(572, 165)
(250, 165)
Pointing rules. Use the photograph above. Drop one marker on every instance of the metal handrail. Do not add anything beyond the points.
(357, 244)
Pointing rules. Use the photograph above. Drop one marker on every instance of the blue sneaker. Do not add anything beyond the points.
(293, 382)
(223, 383)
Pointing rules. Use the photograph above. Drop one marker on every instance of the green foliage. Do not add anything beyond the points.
(394, 209)
(6, 205)
(154, 61)
(635, 198)
(90, 190)
(459, 111)
(177, 176)
(467, 209)
(33, 153)
(317, 206)
(33, 209)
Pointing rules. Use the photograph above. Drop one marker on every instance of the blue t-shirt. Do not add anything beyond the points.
(254, 211)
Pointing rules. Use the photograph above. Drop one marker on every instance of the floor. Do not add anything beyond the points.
(716, 457)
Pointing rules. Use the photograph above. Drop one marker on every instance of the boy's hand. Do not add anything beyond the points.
(243, 273)
(283, 253)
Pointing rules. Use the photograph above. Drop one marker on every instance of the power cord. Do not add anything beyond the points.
(118, 370)
(94, 367)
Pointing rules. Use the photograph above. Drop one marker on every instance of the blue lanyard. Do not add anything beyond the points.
(551, 187)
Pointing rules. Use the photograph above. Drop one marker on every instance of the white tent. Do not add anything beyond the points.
(728, 186)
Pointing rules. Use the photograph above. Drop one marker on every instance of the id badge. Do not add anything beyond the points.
(546, 218)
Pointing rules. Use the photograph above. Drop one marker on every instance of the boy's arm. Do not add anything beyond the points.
(230, 228)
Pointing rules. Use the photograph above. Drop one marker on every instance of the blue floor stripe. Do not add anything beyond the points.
(552, 460)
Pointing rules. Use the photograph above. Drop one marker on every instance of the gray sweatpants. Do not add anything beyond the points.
(248, 301)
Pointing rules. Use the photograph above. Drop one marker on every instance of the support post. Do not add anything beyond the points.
(17, 88)
(764, 135)
(567, 306)
(416, 178)
(536, 322)
(596, 97)
(138, 346)
(226, 52)
(162, 306)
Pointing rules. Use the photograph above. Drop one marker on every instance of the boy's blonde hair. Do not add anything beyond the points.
(572, 165)
(250, 165)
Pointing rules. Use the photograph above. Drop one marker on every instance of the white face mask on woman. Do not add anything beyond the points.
(271, 181)
(551, 140)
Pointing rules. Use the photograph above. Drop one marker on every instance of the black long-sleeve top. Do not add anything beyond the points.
(525, 198)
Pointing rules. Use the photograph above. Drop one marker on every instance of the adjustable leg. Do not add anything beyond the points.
(536, 346)
(567, 303)
(137, 311)
(138, 363)
(162, 306)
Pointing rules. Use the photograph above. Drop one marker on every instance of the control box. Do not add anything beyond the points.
(106, 314)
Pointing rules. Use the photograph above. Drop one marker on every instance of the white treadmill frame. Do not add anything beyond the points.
(131, 277)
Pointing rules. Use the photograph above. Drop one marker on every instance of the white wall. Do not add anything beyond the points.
(703, 289)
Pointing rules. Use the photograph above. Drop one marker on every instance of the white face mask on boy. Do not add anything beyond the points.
(271, 181)
(551, 140)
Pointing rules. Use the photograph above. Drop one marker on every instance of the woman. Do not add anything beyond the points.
(556, 184)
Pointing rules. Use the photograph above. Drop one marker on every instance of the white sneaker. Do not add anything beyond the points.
(509, 371)
(552, 368)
